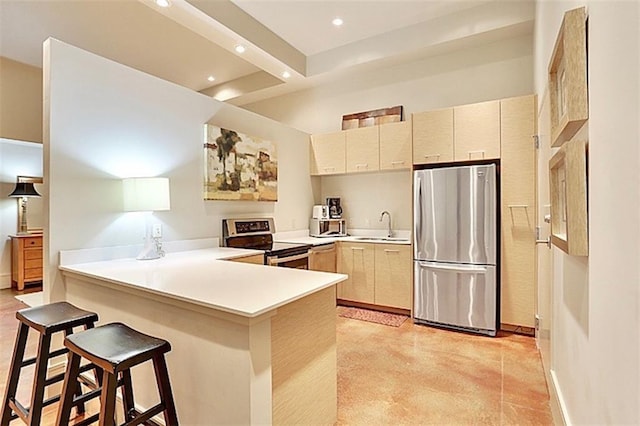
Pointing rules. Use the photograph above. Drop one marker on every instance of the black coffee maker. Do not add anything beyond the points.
(335, 211)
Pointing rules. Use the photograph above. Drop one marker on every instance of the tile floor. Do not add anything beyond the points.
(412, 374)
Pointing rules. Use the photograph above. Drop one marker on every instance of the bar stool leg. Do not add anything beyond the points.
(164, 388)
(108, 399)
(127, 396)
(40, 376)
(68, 390)
(14, 372)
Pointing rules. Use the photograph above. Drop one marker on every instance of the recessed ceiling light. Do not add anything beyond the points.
(240, 48)
(163, 3)
(337, 22)
(211, 78)
(286, 74)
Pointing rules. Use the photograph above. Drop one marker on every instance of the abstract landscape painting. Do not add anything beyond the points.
(239, 167)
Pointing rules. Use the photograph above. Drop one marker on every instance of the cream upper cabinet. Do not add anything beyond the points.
(357, 261)
(395, 145)
(328, 153)
(477, 131)
(433, 136)
(393, 275)
(518, 211)
(363, 149)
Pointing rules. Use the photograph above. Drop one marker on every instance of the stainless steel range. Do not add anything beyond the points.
(257, 234)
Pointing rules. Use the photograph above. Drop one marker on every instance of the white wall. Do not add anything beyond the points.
(595, 334)
(17, 158)
(108, 121)
(492, 71)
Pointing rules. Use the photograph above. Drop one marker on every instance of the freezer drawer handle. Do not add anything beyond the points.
(468, 269)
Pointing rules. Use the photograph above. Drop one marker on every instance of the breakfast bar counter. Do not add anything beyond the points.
(251, 344)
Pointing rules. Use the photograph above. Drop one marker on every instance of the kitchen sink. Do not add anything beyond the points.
(380, 239)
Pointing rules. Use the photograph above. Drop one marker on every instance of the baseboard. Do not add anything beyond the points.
(5, 281)
(556, 402)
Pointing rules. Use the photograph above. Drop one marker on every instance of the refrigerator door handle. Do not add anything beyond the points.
(457, 268)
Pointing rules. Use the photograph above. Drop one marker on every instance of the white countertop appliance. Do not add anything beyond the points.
(327, 228)
(258, 234)
(320, 212)
(455, 248)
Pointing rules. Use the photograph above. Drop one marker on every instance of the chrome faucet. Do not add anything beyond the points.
(389, 215)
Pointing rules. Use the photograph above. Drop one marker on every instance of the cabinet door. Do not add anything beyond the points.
(257, 259)
(323, 258)
(393, 275)
(327, 153)
(518, 182)
(477, 131)
(433, 136)
(363, 149)
(357, 261)
(395, 145)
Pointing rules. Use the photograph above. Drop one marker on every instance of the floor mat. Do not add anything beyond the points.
(384, 318)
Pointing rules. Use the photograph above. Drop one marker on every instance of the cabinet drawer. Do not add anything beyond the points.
(32, 263)
(33, 254)
(33, 242)
(33, 273)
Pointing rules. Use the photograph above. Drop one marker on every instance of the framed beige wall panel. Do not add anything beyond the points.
(327, 154)
(363, 149)
(20, 101)
(433, 136)
(568, 78)
(568, 187)
(393, 275)
(518, 210)
(395, 145)
(476, 133)
(357, 261)
(303, 357)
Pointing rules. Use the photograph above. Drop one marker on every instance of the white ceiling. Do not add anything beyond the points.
(193, 39)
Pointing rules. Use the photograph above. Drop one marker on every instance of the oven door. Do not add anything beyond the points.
(297, 261)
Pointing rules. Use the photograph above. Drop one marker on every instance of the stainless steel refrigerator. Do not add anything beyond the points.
(455, 248)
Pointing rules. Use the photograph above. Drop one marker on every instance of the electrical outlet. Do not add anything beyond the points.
(157, 230)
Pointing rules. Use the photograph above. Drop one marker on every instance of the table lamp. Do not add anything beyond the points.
(147, 195)
(23, 190)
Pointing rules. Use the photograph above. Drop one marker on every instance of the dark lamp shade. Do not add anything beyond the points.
(24, 189)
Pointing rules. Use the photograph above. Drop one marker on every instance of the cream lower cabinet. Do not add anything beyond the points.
(395, 145)
(518, 211)
(327, 153)
(393, 275)
(477, 131)
(363, 149)
(433, 136)
(379, 274)
(323, 258)
(357, 261)
(257, 259)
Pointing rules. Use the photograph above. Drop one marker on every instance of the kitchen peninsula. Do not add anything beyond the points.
(251, 344)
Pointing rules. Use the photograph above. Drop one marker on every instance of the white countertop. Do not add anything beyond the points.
(203, 277)
(359, 238)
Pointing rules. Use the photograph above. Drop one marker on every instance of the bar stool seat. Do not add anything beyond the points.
(46, 320)
(116, 348)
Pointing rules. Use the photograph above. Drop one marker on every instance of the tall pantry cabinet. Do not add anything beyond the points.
(518, 210)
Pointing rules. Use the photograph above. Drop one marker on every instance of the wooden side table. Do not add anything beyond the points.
(26, 260)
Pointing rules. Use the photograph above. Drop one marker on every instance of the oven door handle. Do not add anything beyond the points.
(277, 260)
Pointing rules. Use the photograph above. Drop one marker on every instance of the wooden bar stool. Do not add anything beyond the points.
(46, 320)
(116, 348)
